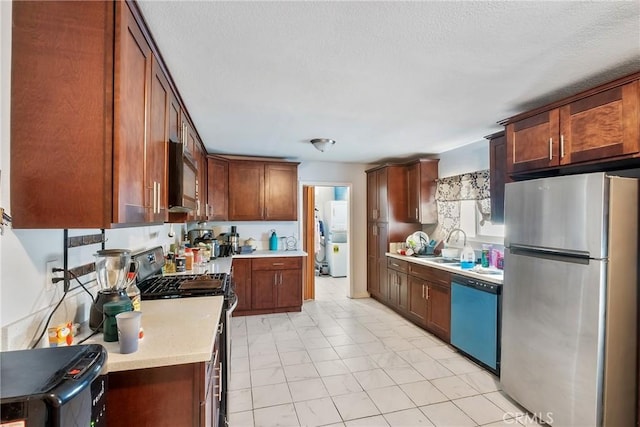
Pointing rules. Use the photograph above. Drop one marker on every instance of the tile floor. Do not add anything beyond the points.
(354, 362)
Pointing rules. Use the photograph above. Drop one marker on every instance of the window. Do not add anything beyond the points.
(470, 219)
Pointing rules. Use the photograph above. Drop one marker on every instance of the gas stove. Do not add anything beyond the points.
(157, 287)
(153, 285)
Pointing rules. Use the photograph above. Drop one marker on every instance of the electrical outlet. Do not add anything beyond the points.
(50, 275)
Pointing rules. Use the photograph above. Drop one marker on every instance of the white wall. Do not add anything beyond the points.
(353, 176)
(468, 158)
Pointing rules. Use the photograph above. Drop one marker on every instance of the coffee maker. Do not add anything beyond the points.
(112, 273)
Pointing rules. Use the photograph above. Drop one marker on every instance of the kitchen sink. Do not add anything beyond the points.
(452, 262)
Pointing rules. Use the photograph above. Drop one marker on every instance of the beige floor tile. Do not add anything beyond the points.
(241, 419)
(377, 421)
(404, 375)
(307, 389)
(317, 412)
(376, 378)
(454, 387)
(276, 416)
(446, 414)
(408, 418)
(240, 400)
(481, 410)
(483, 381)
(390, 399)
(423, 393)
(271, 395)
(355, 405)
(341, 384)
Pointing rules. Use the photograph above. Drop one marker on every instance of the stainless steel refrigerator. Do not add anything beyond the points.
(569, 320)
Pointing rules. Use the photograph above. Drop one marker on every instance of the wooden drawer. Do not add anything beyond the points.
(397, 264)
(430, 274)
(276, 263)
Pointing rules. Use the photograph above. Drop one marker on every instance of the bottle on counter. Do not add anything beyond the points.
(467, 258)
(133, 292)
(486, 255)
(169, 264)
(188, 259)
(273, 241)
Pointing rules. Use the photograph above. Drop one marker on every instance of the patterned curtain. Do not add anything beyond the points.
(451, 190)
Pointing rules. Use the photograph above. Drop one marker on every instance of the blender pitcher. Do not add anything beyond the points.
(112, 274)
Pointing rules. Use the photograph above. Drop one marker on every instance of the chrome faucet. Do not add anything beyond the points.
(446, 241)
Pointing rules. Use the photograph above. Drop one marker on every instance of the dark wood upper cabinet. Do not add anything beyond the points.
(246, 190)
(158, 136)
(498, 175)
(421, 191)
(263, 191)
(217, 189)
(280, 192)
(601, 124)
(89, 128)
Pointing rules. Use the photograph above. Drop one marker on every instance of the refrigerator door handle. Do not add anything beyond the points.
(548, 252)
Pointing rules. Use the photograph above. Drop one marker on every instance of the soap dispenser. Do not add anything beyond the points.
(467, 257)
(273, 241)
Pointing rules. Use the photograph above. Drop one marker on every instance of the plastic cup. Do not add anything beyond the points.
(128, 329)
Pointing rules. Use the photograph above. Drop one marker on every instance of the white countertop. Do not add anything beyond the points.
(492, 278)
(176, 331)
(266, 254)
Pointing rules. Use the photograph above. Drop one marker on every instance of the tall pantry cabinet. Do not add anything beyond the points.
(387, 194)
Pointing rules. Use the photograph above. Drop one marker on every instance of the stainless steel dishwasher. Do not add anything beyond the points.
(475, 320)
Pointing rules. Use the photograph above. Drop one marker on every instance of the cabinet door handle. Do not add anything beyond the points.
(550, 148)
(281, 278)
(219, 395)
(422, 291)
(374, 230)
(159, 197)
(427, 292)
(417, 217)
(275, 282)
(561, 146)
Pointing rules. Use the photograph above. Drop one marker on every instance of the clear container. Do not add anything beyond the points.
(467, 258)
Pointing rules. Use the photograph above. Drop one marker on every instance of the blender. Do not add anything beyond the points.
(113, 275)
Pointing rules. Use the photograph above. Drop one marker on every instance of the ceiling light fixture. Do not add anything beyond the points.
(322, 144)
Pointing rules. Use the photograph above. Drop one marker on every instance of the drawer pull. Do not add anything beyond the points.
(278, 263)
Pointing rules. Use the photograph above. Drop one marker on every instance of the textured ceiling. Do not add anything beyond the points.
(384, 79)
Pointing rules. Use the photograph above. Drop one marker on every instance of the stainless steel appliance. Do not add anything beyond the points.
(475, 320)
(55, 386)
(182, 179)
(153, 285)
(570, 298)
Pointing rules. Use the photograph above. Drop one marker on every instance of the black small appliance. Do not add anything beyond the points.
(54, 386)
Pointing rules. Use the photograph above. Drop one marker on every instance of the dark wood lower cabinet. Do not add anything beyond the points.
(439, 310)
(417, 300)
(177, 395)
(268, 285)
(421, 294)
(397, 288)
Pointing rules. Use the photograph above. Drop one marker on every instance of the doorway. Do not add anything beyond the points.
(327, 232)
